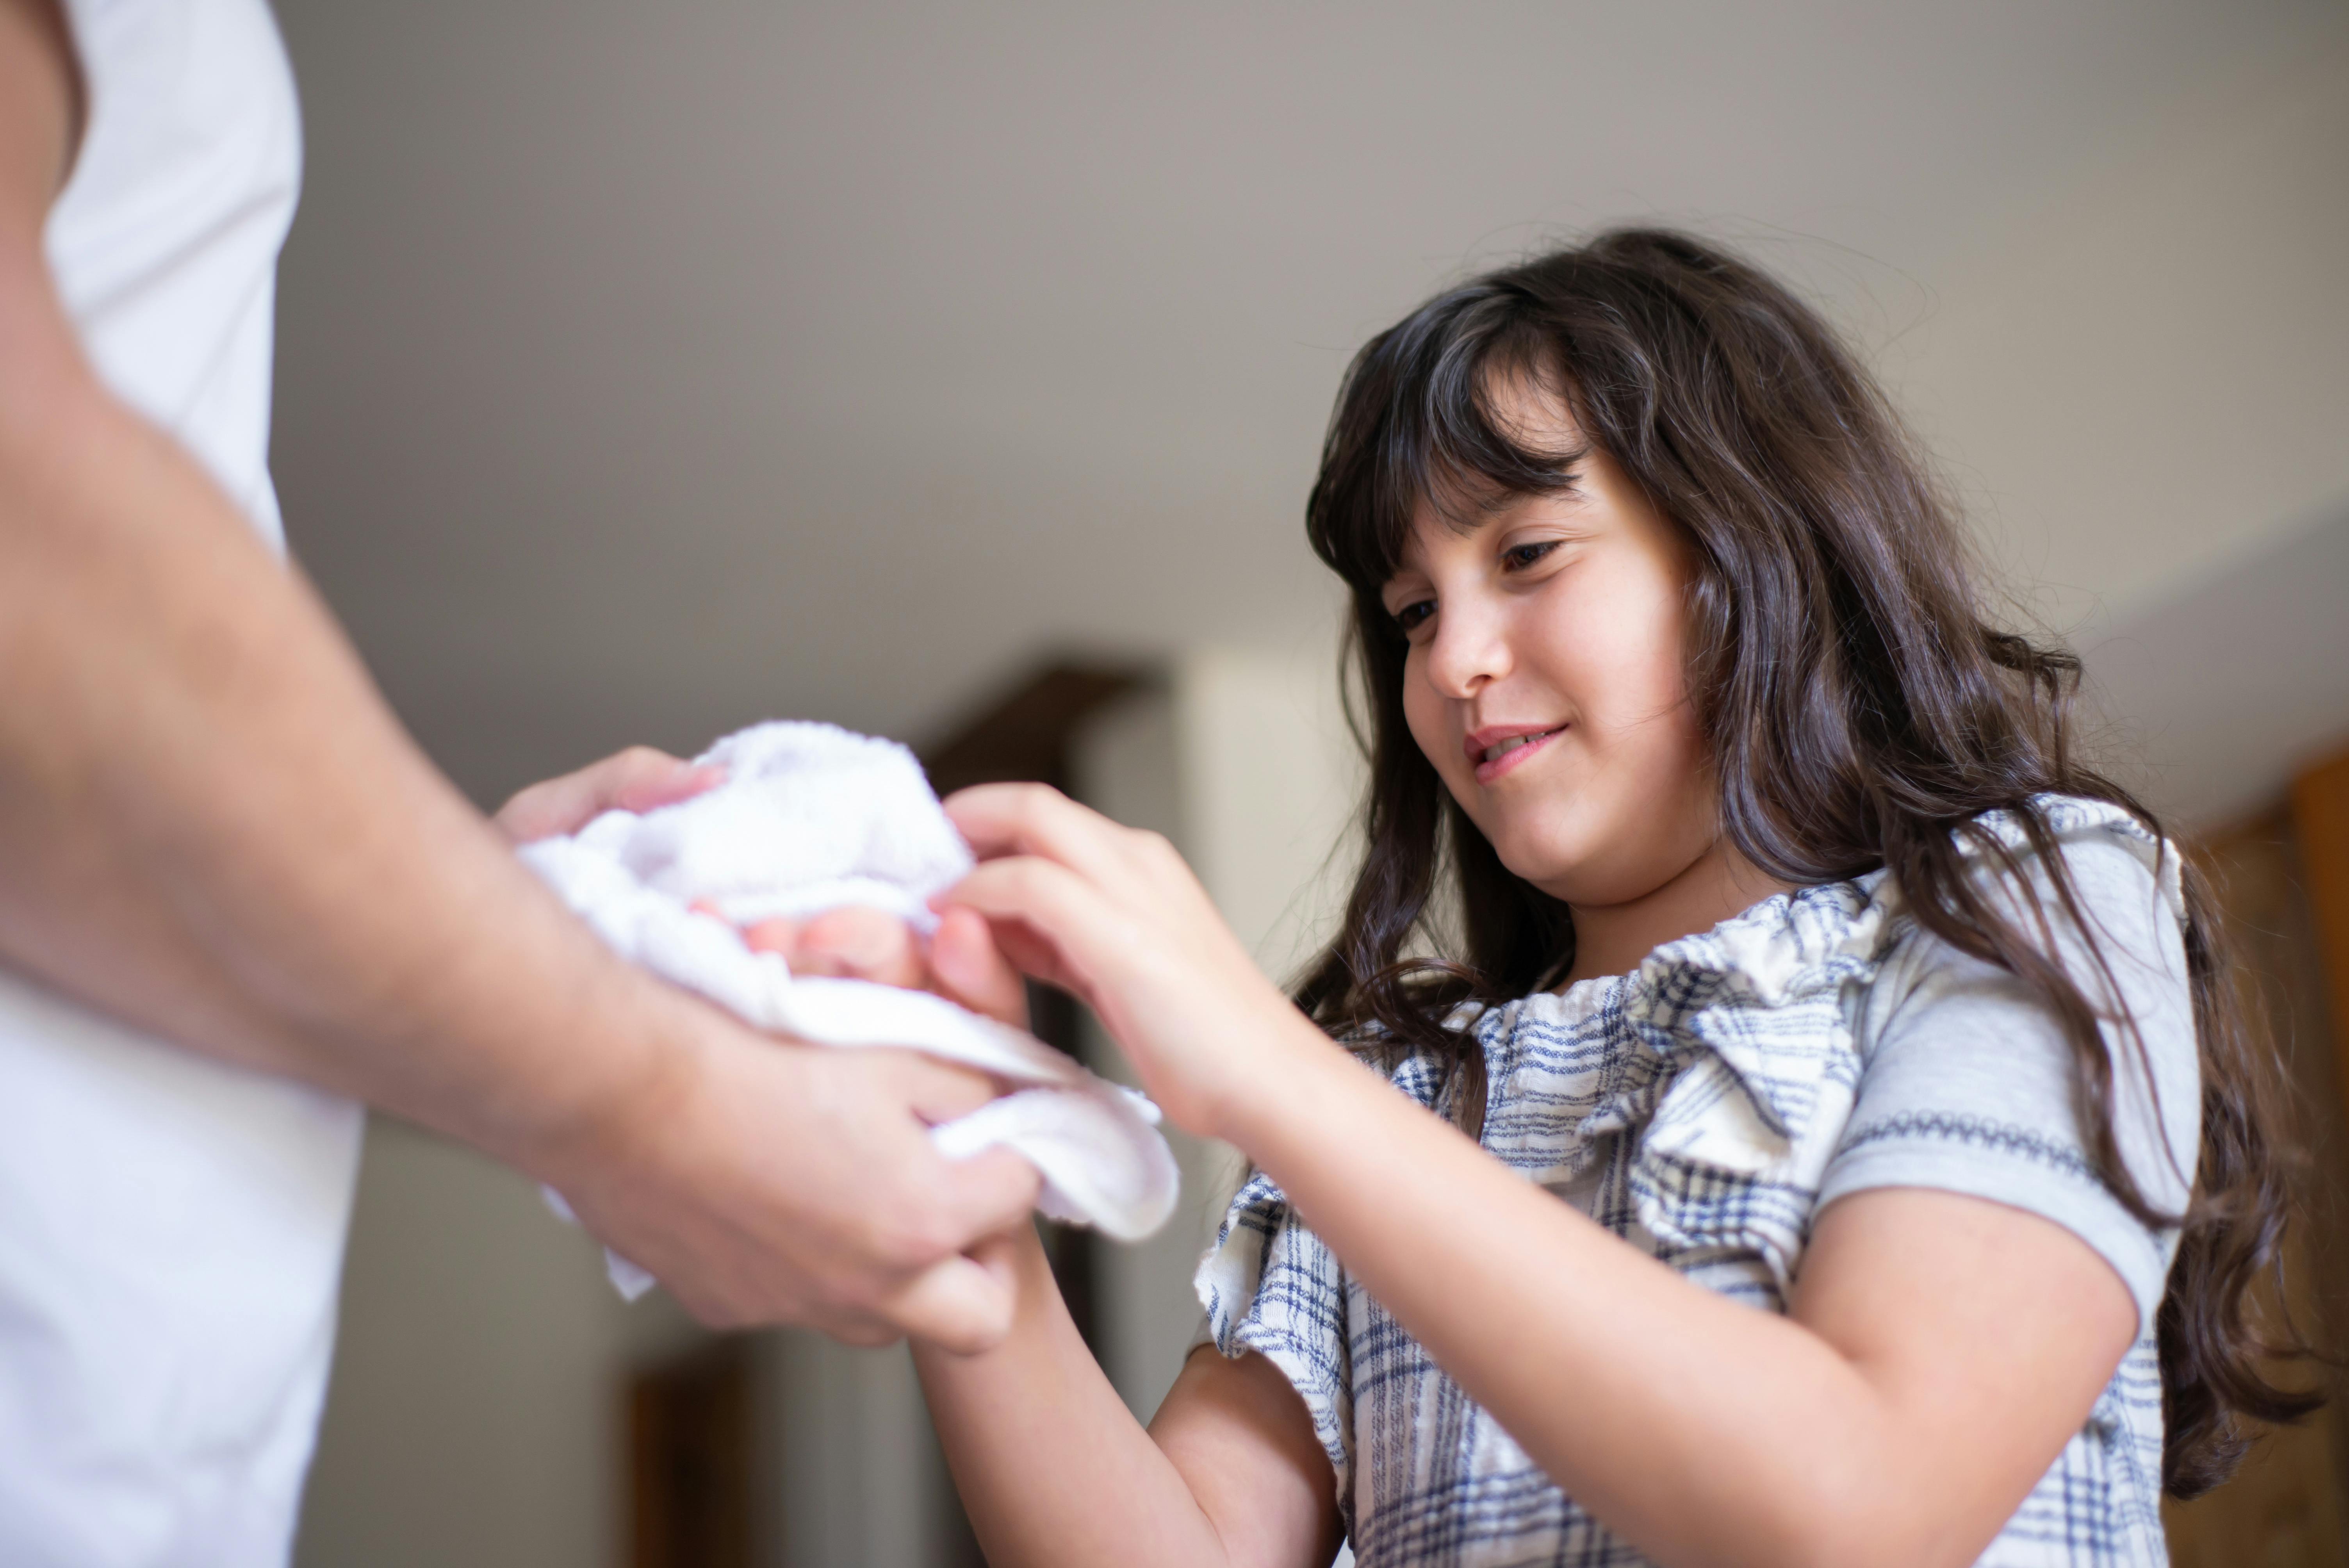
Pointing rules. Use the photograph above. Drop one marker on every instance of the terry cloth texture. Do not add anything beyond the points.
(1705, 1108)
(810, 817)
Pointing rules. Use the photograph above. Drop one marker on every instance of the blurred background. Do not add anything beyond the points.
(958, 374)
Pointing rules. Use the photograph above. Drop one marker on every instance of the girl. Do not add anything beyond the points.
(1828, 1138)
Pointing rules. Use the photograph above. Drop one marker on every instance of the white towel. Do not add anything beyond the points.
(812, 817)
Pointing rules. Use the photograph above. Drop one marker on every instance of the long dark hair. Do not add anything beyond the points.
(1861, 710)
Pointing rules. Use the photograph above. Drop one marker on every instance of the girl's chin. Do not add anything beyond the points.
(1575, 864)
(1547, 865)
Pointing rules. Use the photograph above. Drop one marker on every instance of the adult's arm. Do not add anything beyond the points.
(212, 828)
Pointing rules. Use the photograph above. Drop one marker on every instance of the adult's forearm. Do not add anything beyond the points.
(213, 825)
(1054, 1471)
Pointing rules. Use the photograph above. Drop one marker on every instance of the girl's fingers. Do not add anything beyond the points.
(778, 936)
(855, 943)
(971, 969)
(1000, 819)
(1049, 920)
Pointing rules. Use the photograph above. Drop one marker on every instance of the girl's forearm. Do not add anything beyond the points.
(1702, 1430)
(1052, 1468)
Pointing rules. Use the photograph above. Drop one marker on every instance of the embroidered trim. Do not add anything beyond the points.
(2003, 1137)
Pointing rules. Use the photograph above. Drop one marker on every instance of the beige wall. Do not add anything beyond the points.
(474, 1413)
(2141, 393)
(2149, 377)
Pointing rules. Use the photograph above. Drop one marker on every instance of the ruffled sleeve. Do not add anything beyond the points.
(1739, 1082)
(1271, 1285)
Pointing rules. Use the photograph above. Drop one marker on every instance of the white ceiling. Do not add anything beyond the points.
(649, 368)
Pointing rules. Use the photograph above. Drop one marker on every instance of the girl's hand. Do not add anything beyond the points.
(960, 961)
(1113, 915)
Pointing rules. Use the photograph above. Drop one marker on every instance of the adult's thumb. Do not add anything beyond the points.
(961, 1304)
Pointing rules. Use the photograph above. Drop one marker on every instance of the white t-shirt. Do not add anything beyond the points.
(170, 1228)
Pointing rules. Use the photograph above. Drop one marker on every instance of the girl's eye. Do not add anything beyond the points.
(1517, 558)
(1411, 617)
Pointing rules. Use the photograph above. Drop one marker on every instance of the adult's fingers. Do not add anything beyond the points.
(963, 1304)
(989, 1191)
(935, 1092)
(971, 969)
(637, 779)
(960, 1304)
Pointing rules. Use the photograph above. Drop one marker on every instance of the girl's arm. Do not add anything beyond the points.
(1054, 1469)
(1938, 1353)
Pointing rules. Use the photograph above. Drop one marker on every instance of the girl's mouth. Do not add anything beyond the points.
(1505, 753)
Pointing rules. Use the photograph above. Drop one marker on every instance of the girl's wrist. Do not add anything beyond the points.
(1291, 1073)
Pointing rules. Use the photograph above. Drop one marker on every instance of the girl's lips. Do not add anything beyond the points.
(1516, 756)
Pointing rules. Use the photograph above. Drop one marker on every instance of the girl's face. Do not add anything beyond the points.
(1546, 679)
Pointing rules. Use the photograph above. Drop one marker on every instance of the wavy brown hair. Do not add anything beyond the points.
(1862, 711)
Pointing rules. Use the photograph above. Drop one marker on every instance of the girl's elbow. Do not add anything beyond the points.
(1849, 1533)
(1858, 1519)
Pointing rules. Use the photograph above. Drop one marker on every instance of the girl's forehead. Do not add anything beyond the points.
(1528, 407)
(1524, 411)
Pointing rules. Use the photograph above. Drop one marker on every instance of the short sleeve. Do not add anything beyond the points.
(1967, 1084)
(1271, 1285)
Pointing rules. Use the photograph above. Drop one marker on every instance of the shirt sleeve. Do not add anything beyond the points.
(1271, 1285)
(1967, 1084)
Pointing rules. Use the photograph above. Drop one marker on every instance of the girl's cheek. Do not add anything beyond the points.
(1422, 712)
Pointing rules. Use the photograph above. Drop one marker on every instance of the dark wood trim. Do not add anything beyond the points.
(1026, 735)
(2320, 820)
(691, 1479)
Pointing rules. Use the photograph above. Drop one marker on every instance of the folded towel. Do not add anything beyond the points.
(810, 817)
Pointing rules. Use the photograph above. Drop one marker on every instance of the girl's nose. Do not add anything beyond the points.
(1469, 651)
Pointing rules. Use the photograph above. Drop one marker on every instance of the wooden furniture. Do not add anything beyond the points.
(2283, 879)
(1025, 737)
(691, 1458)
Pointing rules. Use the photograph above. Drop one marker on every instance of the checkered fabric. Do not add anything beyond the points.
(1695, 1108)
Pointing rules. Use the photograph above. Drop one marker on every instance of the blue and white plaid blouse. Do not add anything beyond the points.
(1703, 1108)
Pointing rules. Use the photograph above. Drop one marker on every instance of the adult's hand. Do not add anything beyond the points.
(865, 1240)
(640, 778)
(961, 962)
(764, 1181)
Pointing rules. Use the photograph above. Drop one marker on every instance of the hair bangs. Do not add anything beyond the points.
(1419, 424)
